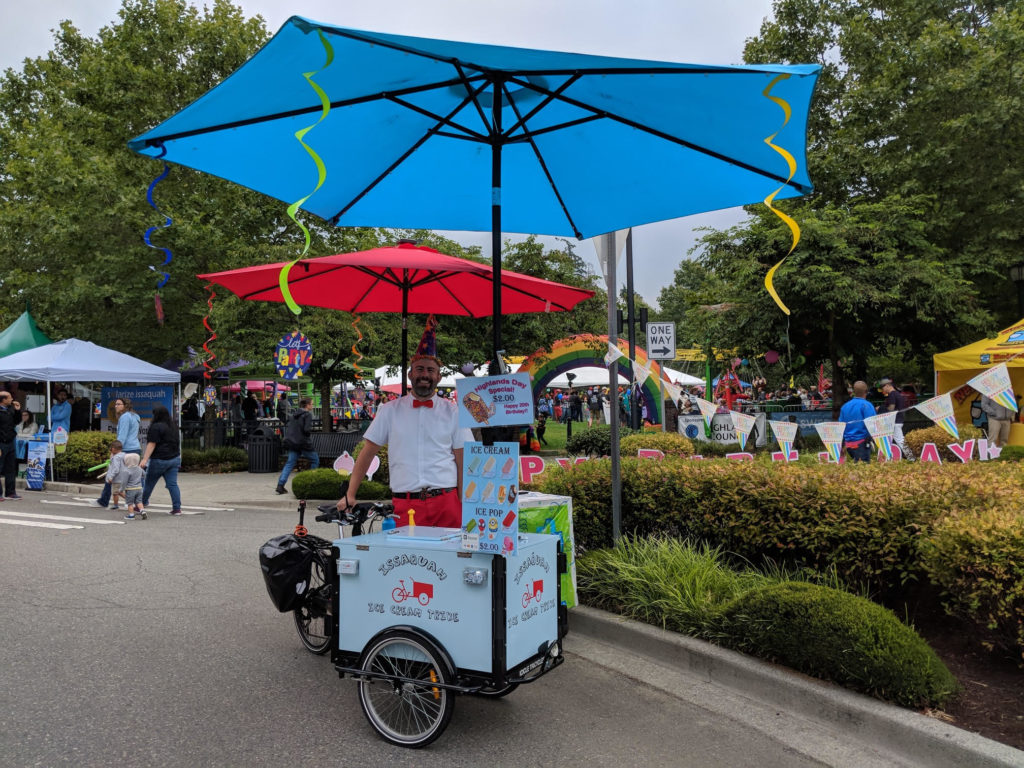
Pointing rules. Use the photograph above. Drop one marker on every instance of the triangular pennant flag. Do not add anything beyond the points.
(940, 410)
(640, 372)
(995, 384)
(744, 423)
(785, 434)
(614, 353)
(831, 433)
(881, 428)
(707, 410)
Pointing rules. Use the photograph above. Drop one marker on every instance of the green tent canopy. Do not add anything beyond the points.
(22, 334)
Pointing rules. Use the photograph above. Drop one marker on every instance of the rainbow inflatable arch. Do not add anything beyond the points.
(589, 350)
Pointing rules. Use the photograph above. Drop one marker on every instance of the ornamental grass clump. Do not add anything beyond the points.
(840, 637)
(664, 582)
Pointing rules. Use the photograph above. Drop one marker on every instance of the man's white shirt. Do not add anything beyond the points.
(420, 442)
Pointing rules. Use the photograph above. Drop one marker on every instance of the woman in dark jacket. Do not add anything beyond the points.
(162, 457)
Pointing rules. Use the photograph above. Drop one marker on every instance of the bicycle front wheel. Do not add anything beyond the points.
(408, 708)
(313, 617)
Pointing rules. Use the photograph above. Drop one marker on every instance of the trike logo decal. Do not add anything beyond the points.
(421, 592)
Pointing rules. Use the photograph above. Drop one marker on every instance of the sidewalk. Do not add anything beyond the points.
(237, 490)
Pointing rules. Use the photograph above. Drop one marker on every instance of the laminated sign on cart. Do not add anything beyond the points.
(495, 401)
(490, 498)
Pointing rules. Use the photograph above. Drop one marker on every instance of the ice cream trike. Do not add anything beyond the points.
(415, 619)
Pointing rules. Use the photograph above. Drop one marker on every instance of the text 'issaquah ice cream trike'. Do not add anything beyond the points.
(414, 619)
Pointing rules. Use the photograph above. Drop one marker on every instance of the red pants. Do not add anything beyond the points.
(444, 511)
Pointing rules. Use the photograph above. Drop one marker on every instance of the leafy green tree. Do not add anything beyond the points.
(915, 99)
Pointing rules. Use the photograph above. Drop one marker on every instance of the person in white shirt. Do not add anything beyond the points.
(425, 443)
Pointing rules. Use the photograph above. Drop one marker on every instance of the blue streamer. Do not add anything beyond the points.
(165, 276)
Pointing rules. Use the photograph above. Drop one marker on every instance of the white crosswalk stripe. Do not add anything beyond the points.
(8, 513)
(37, 524)
(187, 509)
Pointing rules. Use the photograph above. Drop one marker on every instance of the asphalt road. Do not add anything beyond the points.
(153, 643)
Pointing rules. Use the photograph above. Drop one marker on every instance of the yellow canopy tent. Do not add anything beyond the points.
(955, 368)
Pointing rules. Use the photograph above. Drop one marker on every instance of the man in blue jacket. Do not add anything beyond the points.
(853, 413)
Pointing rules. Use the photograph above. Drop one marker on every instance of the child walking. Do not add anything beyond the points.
(129, 483)
(115, 466)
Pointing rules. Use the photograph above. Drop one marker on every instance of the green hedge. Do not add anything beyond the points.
(383, 474)
(84, 450)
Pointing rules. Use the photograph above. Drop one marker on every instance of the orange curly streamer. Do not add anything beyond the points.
(355, 350)
(210, 356)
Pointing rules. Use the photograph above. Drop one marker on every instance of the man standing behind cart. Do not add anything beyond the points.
(424, 440)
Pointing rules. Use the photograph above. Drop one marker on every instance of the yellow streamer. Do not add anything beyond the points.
(282, 278)
(791, 162)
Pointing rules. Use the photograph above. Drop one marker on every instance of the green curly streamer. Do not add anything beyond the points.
(282, 278)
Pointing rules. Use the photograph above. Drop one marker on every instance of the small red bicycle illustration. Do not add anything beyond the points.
(538, 593)
(420, 590)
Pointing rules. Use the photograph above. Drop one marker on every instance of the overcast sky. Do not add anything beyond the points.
(671, 30)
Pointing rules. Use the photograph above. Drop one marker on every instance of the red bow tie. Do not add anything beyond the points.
(422, 403)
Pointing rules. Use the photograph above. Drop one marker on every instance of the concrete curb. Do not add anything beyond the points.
(909, 735)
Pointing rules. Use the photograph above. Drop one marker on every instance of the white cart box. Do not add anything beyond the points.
(487, 612)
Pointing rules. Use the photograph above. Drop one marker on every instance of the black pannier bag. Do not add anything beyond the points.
(286, 562)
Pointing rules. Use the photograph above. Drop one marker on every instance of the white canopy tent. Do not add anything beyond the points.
(681, 379)
(77, 360)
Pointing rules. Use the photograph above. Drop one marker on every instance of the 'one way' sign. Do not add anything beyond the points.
(661, 341)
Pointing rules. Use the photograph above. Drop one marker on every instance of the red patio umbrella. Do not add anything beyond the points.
(404, 278)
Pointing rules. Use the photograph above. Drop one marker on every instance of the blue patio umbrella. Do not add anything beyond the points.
(451, 135)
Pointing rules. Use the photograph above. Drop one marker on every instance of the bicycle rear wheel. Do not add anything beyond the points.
(407, 710)
(313, 617)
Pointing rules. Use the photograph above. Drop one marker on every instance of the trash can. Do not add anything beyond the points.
(264, 450)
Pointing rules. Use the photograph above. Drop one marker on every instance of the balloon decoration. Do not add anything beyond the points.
(164, 276)
(771, 356)
(293, 356)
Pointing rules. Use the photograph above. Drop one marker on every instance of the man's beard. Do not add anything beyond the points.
(423, 388)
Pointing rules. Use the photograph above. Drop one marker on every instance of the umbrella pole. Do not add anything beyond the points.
(496, 102)
(613, 391)
(405, 332)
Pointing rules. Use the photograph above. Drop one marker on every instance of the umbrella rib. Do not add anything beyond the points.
(155, 140)
(662, 135)
(543, 165)
(536, 297)
(547, 100)
(401, 158)
(470, 133)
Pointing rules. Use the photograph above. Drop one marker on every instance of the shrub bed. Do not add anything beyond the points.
(325, 483)
(817, 629)
(383, 474)
(942, 439)
(669, 443)
(869, 521)
(84, 450)
(214, 460)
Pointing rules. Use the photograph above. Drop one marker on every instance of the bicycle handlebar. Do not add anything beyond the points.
(358, 513)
